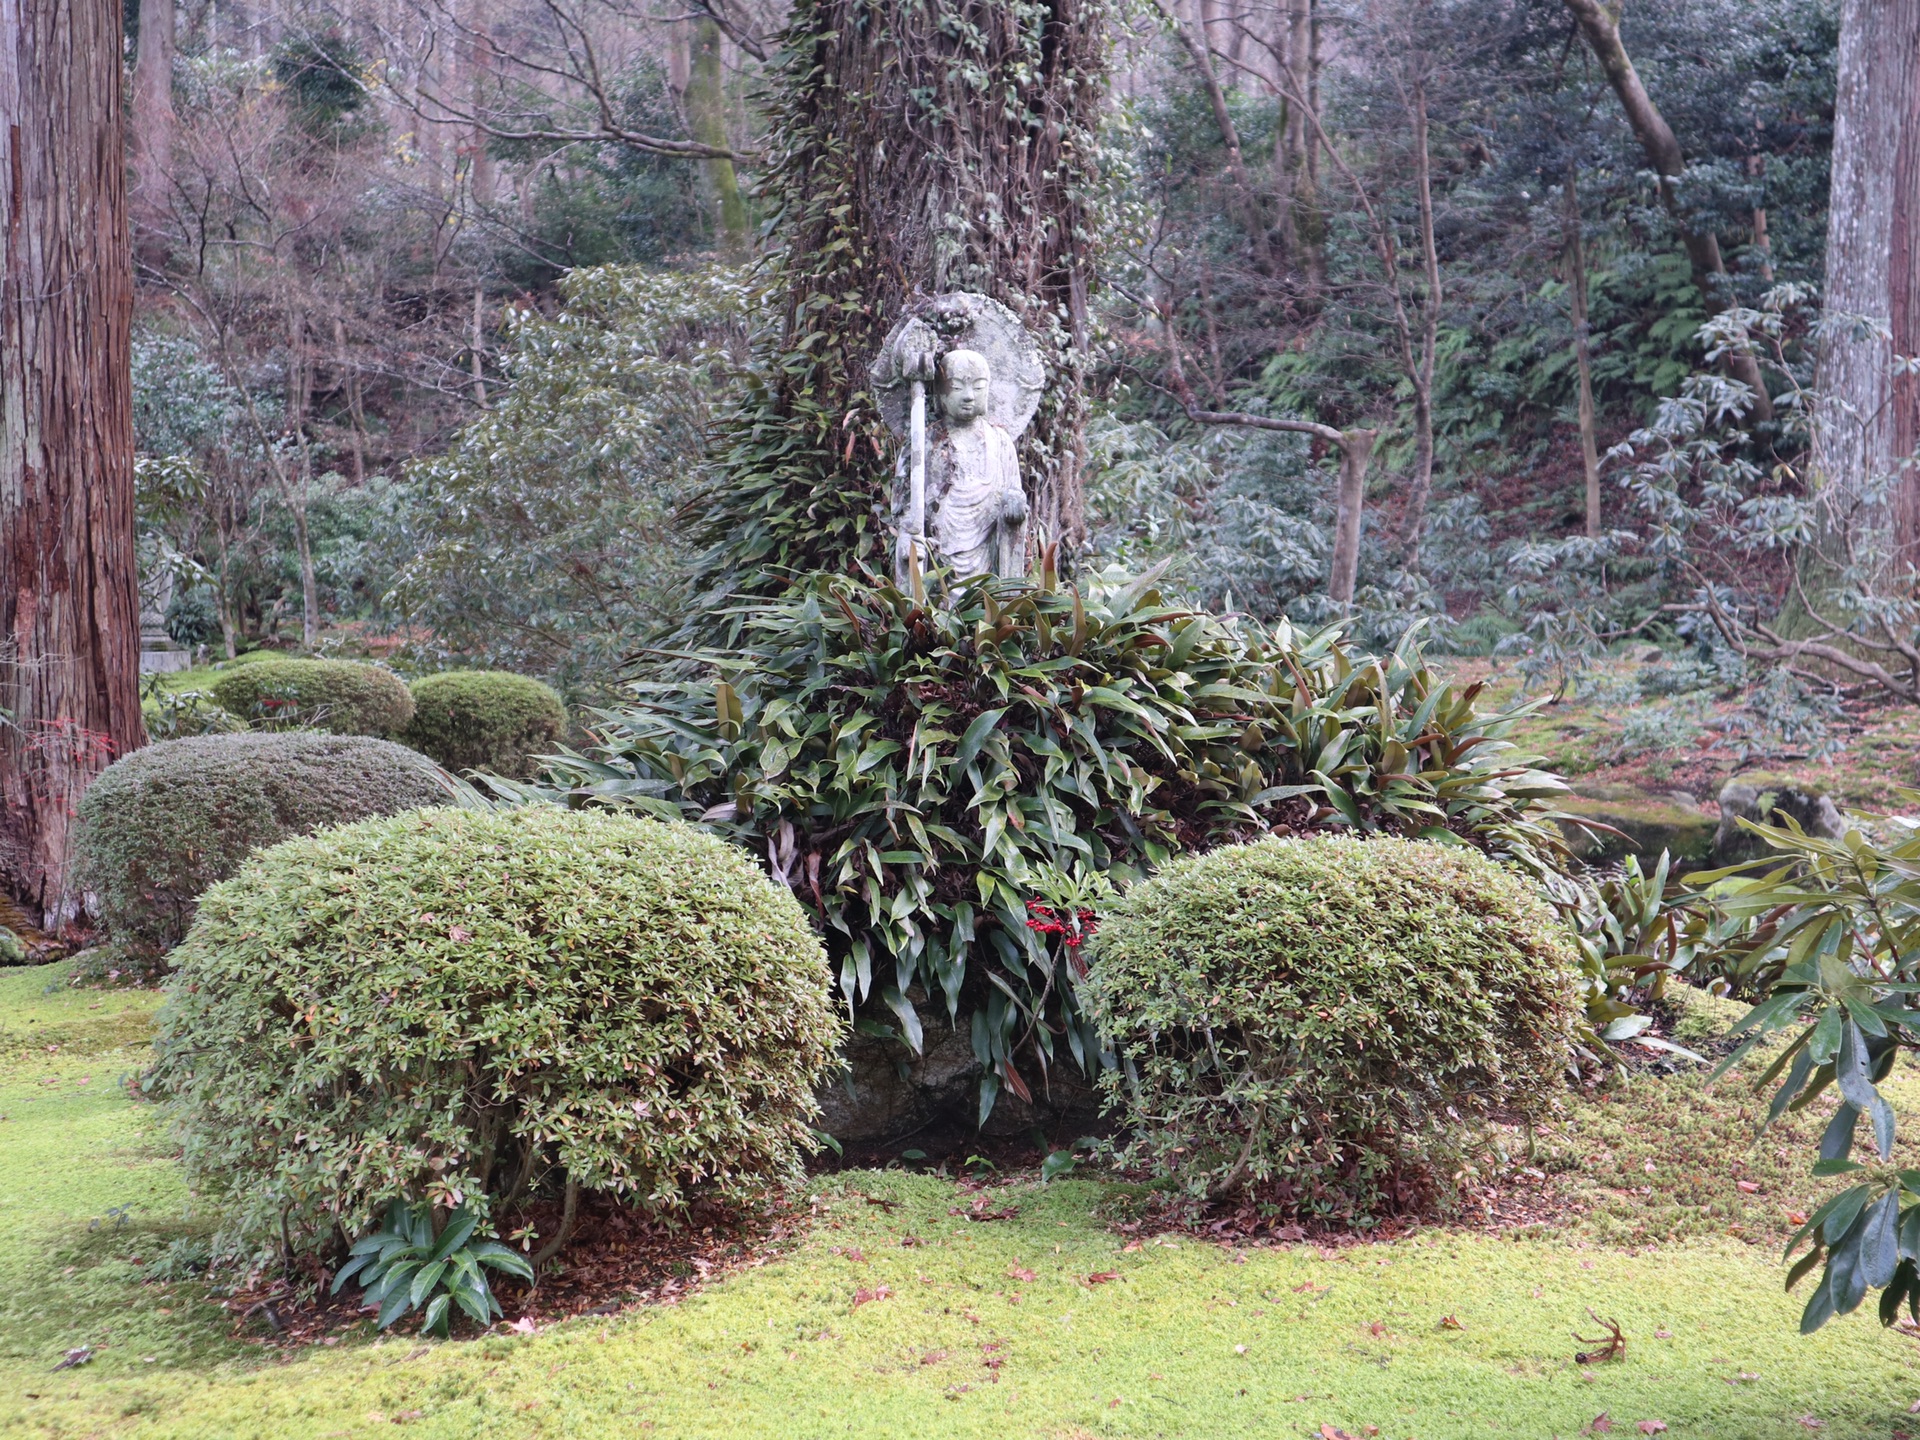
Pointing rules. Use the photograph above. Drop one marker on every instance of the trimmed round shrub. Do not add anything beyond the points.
(161, 825)
(484, 720)
(478, 1005)
(342, 697)
(1319, 1020)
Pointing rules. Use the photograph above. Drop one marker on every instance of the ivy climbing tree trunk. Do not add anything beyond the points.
(69, 614)
(913, 149)
(1868, 406)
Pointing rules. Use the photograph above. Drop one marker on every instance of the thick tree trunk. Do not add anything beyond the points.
(912, 149)
(707, 116)
(1868, 419)
(69, 611)
(151, 138)
(1601, 27)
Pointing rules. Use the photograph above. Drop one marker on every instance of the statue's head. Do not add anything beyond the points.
(963, 395)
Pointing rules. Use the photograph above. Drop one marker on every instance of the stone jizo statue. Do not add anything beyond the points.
(976, 509)
(958, 499)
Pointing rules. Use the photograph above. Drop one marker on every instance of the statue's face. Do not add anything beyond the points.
(966, 392)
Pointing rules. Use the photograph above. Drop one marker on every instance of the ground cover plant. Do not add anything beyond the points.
(1316, 1021)
(916, 768)
(461, 1007)
(1030, 1326)
(164, 823)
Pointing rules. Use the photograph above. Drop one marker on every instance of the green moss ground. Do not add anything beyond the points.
(1189, 1339)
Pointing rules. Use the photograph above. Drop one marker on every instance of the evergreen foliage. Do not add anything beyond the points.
(1315, 1018)
(460, 1005)
(341, 697)
(917, 770)
(484, 720)
(546, 539)
(162, 824)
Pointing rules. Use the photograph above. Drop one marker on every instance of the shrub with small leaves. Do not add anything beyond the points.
(484, 720)
(1316, 1019)
(466, 1003)
(343, 697)
(161, 825)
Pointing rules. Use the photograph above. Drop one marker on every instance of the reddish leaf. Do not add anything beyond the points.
(1018, 1273)
(1101, 1277)
(1652, 1427)
(879, 1292)
(1601, 1424)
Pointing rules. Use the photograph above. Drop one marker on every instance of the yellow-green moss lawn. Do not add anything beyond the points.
(995, 1329)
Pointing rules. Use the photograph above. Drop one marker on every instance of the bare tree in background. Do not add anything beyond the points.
(69, 613)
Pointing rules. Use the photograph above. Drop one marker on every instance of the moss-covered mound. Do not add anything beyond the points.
(161, 825)
(1316, 1018)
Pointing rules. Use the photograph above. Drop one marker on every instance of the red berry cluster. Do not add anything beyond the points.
(1074, 927)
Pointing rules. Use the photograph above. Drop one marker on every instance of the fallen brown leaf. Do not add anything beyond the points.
(862, 1297)
(1451, 1322)
(1652, 1427)
(1101, 1277)
(1601, 1424)
(1018, 1273)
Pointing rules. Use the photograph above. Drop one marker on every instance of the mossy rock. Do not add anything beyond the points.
(1648, 825)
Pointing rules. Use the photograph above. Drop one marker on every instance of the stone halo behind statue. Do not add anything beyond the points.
(962, 320)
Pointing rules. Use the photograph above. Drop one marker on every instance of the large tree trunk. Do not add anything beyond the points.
(912, 149)
(1868, 419)
(69, 611)
(1601, 27)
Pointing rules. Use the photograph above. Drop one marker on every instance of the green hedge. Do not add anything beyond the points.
(161, 825)
(342, 697)
(476, 1004)
(1317, 1018)
(488, 720)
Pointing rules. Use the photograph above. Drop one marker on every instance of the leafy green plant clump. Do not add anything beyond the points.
(484, 720)
(1315, 1018)
(164, 823)
(403, 1264)
(342, 697)
(917, 769)
(470, 1006)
